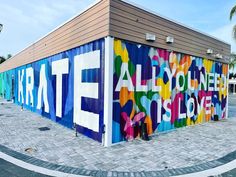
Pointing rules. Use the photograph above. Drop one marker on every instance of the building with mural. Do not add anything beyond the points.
(232, 75)
(116, 66)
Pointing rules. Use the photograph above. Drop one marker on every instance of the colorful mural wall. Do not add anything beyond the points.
(165, 90)
(67, 88)
(6, 88)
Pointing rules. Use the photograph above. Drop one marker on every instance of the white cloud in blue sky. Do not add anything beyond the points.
(25, 21)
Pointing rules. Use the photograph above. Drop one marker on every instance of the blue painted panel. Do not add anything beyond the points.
(91, 105)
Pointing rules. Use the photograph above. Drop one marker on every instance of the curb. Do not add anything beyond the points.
(99, 173)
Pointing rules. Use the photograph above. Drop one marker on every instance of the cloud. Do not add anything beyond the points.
(26, 21)
(225, 33)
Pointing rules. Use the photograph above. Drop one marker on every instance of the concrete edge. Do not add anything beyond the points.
(213, 167)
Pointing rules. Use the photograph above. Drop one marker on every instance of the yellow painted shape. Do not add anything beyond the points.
(225, 69)
(148, 121)
(119, 51)
(165, 92)
(173, 61)
(125, 96)
(125, 57)
(200, 117)
(194, 83)
(185, 63)
(188, 121)
(208, 65)
(118, 47)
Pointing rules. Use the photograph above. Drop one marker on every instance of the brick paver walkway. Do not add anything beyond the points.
(184, 147)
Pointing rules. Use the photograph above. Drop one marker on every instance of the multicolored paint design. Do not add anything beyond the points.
(165, 90)
(67, 88)
(232, 69)
(6, 88)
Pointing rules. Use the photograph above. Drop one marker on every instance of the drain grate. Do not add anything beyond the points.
(30, 150)
(44, 128)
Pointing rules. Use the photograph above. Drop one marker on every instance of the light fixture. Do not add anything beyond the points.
(150, 37)
(1, 26)
(218, 56)
(169, 39)
(209, 51)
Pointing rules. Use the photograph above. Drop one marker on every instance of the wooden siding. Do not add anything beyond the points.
(132, 23)
(90, 25)
(121, 20)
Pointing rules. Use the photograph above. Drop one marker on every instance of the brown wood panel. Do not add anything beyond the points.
(92, 21)
(158, 45)
(66, 27)
(81, 19)
(121, 11)
(142, 14)
(73, 44)
(123, 19)
(159, 41)
(155, 44)
(140, 33)
(69, 44)
(86, 29)
(91, 25)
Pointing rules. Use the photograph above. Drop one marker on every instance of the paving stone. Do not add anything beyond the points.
(186, 149)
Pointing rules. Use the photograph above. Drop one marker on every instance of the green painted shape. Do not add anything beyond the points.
(118, 63)
(131, 68)
(137, 97)
(125, 77)
(180, 123)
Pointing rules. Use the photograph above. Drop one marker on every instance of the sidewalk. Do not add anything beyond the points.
(185, 147)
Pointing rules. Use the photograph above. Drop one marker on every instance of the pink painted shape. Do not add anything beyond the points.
(175, 107)
(129, 129)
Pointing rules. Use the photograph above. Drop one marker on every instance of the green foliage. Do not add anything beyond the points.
(232, 13)
(3, 59)
(232, 61)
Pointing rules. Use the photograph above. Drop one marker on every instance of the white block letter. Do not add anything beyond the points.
(178, 86)
(139, 86)
(159, 106)
(167, 118)
(208, 105)
(181, 115)
(20, 85)
(59, 68)
(211, 81)
(29, 86)
(154, 87)
(170, 75)
(217, 82)
(83, 118)
(190, 107)
(43, 87)
(124, 83)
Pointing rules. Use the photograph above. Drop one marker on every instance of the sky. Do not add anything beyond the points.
(25, 21)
